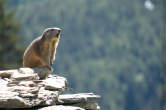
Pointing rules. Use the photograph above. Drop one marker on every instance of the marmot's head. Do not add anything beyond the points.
(51, 33)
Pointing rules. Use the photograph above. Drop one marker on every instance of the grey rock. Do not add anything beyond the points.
(24, 77)
(78, 98)
(25, 88)
(11, 100)
(87, 105)
(55, 83)
(61, 107)
(48, 97)
(83, 100)
(27, 97)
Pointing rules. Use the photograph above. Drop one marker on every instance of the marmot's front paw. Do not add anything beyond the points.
(52, 69)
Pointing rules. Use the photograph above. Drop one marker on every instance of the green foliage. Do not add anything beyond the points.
(110, 47)
(10, 53)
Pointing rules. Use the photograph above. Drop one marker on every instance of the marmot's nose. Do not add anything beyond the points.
(58, 30)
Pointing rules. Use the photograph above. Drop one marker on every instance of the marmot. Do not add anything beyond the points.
(41, 52)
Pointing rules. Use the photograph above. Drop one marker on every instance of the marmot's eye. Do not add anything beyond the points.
(52, 30)
(47, 32)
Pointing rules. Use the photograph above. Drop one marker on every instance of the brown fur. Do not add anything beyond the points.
(41, 52)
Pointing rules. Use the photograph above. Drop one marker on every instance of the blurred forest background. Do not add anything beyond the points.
(109, 47)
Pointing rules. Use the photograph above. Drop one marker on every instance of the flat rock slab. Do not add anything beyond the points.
(55, 83)
(78, 98)
(83, 100)
(61, 107)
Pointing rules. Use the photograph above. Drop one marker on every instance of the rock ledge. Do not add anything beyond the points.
(25, 88)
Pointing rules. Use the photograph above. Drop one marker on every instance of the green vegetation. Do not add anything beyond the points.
(110, 47)
(10, 51)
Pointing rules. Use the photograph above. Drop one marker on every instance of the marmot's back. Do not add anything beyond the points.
(30, 58)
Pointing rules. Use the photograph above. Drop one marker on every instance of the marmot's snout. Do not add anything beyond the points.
(56, 30)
